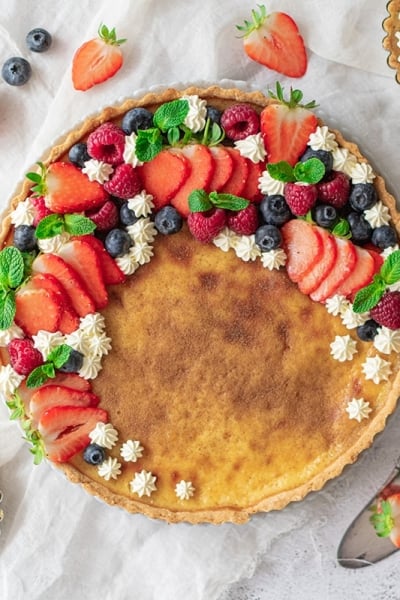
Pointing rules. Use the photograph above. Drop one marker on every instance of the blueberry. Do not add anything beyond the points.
(368, 330)
(361, 230)
(78, 154)
(135, 119)
(74, 362)
(16, 71)
(268, 237)
(38, 40)
(94, 454)
(323, 155)
(214, 114)
(24, 238)
(363, 196)
(168, 220)
(127, 215)
(117, 242)
(325, 215)
(384, 237)
(275, 210)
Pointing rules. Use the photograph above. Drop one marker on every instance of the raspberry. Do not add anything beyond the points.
(24, 357)
(107, 143)
(124, 183)
(245, 221)
(106, 217)
(239, 121)
(334, 189)
(387, 311)
(204, 226)
(300, 197)
(41, 210)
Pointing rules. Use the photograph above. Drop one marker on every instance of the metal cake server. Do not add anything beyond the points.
(360, 545)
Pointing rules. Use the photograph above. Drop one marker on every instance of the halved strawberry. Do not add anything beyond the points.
(84, 260)
(65, 429)
(164, 175)
(251, 189)
(70, 380)
(360, 276)
(313, 278)
(274, 41)
(201, 171)
(237, 181)
(58, 395)
(69, 320)
(286, 126)
(345, 262)
(80, 298)
(223, 167)
(111, 272)
(97, 60)
(303, 245)
(37, 309)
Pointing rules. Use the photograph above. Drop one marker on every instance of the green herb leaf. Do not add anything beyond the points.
(11, 267)
(148, 144)
(199, 201)
(282, 171)
(50, 226)
(40, 375)
(173, 136)
(28, 258)
(171, 114)
(368, 297)
(390, 270)
(342, 229)
(76, 224)
(228, 201)
(35, 177)
(309, 171)
(7, 309)
(59, 355)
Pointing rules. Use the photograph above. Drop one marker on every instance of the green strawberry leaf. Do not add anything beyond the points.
(309, 171)
(77, 224)
(59, 355)
(390, 270)
(228, 201)
(148, 144)
(368, 297)
(382, 518)
(50, 226)
(7, 308)
(171, 114)
(282, 171)
(16, 405)
(199, 201)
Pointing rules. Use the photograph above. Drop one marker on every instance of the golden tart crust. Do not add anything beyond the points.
(391, 42)
(222, 370)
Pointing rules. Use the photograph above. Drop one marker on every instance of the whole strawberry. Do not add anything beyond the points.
(24, 357)
(205, 226)
(387, 311)
(335, 189)
(300, 197)
(245, 221)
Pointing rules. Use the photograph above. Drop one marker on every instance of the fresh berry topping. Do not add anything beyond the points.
(37, 309)
(168, 220)
(334, 189)
(268, 237)
(78, 154)
(275, 210)
(124, 183)
(245, 221)
(387, 311)
(286, 127)
(325, 215)
(345, 262)
(251, 190)
(24, 357)
(274, 41)
(363, 271)
(135, 119)
(300, 197)
(313, 278)
(69, 317)
(41, 210)
(65, 429)
(94, 454)
(70, 380)
(97, 60)
(223, 167)
(24, 238)
(74, 362)
(38, 40)
(368, 330)
(237, 181)
(384, 236)
(51, 395)
(107, 143)
(363, 196)
(106, 217)
(361, 230)
(117, 242)
(111, 272)
(240, 121)
(323, 155)
(16, 71)
(164, 175)
(303, 245)
(201, 171)
(127, 215)
(204, 226)
(214, 114)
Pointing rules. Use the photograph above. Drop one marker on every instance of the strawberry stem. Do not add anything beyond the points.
(109, 36)
(295, 98)
(258, 19)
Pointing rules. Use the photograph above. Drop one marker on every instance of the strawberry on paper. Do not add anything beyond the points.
(274, 41)
(97, 60)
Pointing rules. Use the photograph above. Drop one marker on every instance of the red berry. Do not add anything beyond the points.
(335, 189)
(239, 121)
(300, 197)
(41, 210)
(245, 221)
(107, 143)
(106, 217)
(24, 357)
(124, 183)
(387, 311)
(204, 226)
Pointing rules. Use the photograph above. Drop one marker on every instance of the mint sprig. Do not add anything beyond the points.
(200, 201)
(55, 360)
(55, 224)
(171, 114)
(310, 171)
(12, 274)
(149, 143)
(369, 296)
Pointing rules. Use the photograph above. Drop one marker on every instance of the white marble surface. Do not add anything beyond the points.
(57, 542)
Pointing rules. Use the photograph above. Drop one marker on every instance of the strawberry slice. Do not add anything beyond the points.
(303, 245)
(223, 167)
(80, 298)
(164, 175)
(361, 275)
(58, 395)
(70, 380)
(344, 265)
(286, 126)
(378, 260)
(313, 278)
(37, 309)
(201, 171)
(251, 190)
(65, 429)
(69, 320)
(97, 60)
(111, 272)
(274, 41)
(237, 181)
(84, 260)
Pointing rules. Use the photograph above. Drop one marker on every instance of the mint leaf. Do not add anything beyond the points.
(50, 226)
(282, 171)
(342, 229)
(59, 355)
(40, 375)
(173, 136)
(309, 171)
(368, 297)
(171, 114)
(148, 144)
(11, 267)
(390, 270)
(199, 201)
(76, 224)
(7, 309)
(228, 201)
